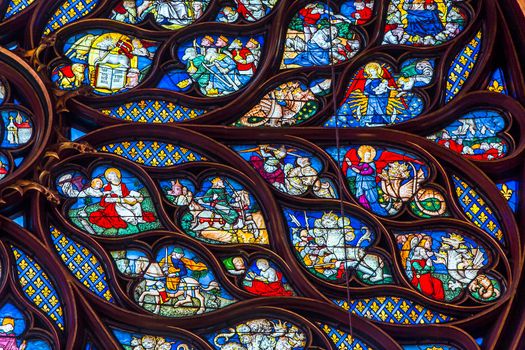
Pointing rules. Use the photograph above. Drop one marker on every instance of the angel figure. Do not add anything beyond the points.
(373, 97)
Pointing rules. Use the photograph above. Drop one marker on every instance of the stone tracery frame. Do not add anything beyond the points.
(30, 190)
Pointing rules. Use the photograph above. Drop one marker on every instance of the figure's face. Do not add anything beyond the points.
(329, 221)
(221, 43)
(219, 183)
(205, 42)
(97, 184)
(238, 263)
(359, 5)
(250, 45)
(148, 342)
(367, 157)
(262, 265)
(177, 255)
(113, 178)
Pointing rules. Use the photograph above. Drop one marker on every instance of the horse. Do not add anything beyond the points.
(155, 278)
(204, 218)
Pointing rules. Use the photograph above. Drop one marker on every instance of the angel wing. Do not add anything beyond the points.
(358, 103)
(395, 104)
(81, 47)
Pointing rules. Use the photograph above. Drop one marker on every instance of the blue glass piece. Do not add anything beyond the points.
(19, 219)
(69, 12)
(497, 82)
(378, 96)
(509, 191)
(477, 209)
(392, 309)
(175, 80)
(37, 287)
(13, 326)
(343, 340)
(475, 135)
(153, 153)
(76, 134)
(462, 67)
(82, 263)
(16, 6)
(153, 111)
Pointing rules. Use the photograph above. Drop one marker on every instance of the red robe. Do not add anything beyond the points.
(365, 14)
(244, 67)
(309, 17)
(452, 145)
(426, 283)
(107, 217)
(269, 289)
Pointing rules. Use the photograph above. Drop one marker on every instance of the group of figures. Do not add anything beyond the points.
(112, 202)
(376, 96)
(260, 334)
(475, 135)
(218, 64)
(329, 245)
(110, 62)
(222, 211)
(289, 104)
(248, 10)
(263, 277)
(318, 37)
(137, 341)
(442, 265)
(176, 283)
(289, 169)
(170, 14)
(381, 180)
(423, 22)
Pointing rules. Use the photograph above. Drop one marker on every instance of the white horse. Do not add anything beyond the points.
(188, 287)
(204, 218)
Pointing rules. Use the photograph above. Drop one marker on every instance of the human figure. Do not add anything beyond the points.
(365, 176)
(235, 265)
(3, 170)
(8, 339)
(70, 187)
(301, 177)
(219, 201)
(422, 18)
(182, 195)
(267, 282)
(420, 263)
(270, 165)
(120, 206)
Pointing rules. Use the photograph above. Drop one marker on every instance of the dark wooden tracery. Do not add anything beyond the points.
(30, 189)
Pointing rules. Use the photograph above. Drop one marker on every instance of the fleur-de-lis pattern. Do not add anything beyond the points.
(260, 174)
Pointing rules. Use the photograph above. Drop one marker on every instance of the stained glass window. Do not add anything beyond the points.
(262, 174)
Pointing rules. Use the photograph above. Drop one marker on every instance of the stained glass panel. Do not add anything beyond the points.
(261, 174)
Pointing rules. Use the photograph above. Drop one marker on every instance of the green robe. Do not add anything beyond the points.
(221, 204)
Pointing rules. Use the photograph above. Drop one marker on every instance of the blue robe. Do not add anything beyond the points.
(423, 23)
